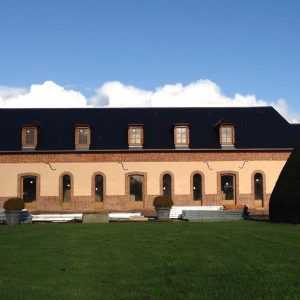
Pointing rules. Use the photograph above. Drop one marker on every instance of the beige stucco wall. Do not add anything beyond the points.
(115, 175)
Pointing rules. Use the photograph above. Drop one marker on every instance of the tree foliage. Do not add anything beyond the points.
(285, 199)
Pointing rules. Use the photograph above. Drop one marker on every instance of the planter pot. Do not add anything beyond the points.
(13, 217)
(163, 213)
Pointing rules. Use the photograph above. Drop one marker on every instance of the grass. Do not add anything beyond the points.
(218, 260)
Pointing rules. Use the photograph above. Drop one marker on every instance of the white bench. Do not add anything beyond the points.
(2, 215)
(56, 217)
(123, 215)
(176, 211)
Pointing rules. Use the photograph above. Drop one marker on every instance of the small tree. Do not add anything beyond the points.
(285, 199)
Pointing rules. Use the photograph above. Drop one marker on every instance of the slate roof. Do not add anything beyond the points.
(255, 127)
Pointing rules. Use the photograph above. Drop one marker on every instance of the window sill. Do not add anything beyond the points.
(98, 204)
(197, 202)
(138, 147)
(228, 146)
(178, 146)
(30, 205)
(66, 205)
(28, 148)
(82, 148)
(136, 204)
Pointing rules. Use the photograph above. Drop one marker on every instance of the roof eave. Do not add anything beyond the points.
(148, 150)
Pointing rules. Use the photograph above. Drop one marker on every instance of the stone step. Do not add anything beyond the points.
(139, 219)
(211, 215)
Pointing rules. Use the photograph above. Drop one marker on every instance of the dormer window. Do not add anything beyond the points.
(29, 137)
(227, 137)
(135, 136)
(181, 136)
(82, 137)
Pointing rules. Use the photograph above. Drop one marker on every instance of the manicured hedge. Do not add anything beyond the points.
(14, 203)
(161, 201)
(285, 199)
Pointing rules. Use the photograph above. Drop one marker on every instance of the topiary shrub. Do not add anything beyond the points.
(14, 204)
(284, 203)
(161, 201)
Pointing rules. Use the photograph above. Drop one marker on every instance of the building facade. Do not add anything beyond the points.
(120, 159)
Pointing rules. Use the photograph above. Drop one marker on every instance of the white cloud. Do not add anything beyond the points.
(201, 93)
(43, 95)
(116, 94)
(10, 92)
(196, 94)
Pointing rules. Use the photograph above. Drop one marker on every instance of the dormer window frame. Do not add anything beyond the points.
(133, 136)
(29, 142)
(79, 145)
(227, 135)
(179, 133)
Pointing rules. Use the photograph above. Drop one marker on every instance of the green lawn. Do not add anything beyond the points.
(211, 260)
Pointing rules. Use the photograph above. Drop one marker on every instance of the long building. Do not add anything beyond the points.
(119, 159)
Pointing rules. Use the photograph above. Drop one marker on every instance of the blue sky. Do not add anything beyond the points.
(244, 47)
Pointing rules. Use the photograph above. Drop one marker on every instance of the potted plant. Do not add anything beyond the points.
(13, 208)
(162, 206)
(245, 212)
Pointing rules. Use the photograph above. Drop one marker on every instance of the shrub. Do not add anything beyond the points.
(285, 199)
(14, 204)
(161, 201)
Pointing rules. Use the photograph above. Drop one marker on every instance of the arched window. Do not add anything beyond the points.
(167, 186)
(258, 186)
(197, 187)
(99, 188)
(29, 188)
(66, 188)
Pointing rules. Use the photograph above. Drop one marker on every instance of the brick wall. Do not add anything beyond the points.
(122, 202)
(143, 156)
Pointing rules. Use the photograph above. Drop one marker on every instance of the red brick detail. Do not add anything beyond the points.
(51, 204)
(121, 203)
(116, 203)
(144, 156)
(211, 199)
